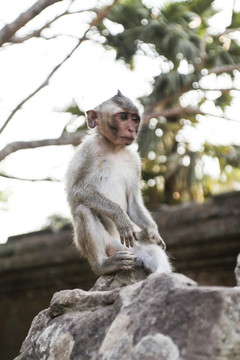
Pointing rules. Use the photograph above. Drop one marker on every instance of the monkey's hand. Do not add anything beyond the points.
(155, 237)
(126, 230)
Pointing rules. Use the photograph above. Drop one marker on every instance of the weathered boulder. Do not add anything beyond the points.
(160, 317)
(237, 271)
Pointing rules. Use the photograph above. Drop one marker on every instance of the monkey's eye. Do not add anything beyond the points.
(135, 118)
(123, 116)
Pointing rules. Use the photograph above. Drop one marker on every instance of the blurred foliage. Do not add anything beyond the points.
(177, 34)
(3, 196)
(75, 110)
(190, 56)
(77, 121)
(56, 223)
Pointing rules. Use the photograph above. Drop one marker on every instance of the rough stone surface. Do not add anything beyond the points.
(122, 278)
(237, 271)
(160, 317)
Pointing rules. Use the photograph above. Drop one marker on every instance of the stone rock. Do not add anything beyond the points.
(237, 271)
(160, 317)
(120, 279)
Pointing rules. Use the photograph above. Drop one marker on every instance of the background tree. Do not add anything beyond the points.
(196, 64)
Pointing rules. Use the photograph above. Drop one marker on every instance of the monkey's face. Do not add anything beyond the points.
(121, 127)
(117, 120)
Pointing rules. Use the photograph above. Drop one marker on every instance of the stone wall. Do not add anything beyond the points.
(204, 239)
(32, 268)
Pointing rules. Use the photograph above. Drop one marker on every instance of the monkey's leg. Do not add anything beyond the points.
(94, 241)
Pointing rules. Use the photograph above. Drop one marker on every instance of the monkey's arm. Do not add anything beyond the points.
(102, 205)
(142, 217)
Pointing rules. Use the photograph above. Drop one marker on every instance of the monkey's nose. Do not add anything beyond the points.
(131, 129)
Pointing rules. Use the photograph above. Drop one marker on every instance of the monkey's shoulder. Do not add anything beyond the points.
(85, 152)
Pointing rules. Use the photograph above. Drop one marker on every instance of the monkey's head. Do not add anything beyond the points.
(117, 120)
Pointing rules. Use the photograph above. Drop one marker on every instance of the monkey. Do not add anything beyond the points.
(112, 227)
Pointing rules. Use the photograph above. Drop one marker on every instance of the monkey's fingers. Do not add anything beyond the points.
(154, 239)
(135, 235)
(157, 239)
(129, 240)
(125, 254)
(162, 244)
(132, 238)
(122, 239)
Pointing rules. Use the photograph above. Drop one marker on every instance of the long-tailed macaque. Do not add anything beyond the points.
(112, 227)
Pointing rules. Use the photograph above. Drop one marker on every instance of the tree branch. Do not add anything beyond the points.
(177, 111)
(220, 89)
(170, 112)
(37, 33)
(226, 32)
(25, 179)
(202, 50)
(202, 46)
(222, 69)
(100, 16)
(66, 139)
(162, 103)
(10, 29)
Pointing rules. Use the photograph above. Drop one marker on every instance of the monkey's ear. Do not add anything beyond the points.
(92, 118)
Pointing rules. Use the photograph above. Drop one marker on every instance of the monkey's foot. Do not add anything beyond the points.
(121, 260)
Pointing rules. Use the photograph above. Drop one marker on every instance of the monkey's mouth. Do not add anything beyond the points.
(128, 139)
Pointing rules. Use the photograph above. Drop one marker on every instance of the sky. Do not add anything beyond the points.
(88, 78)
